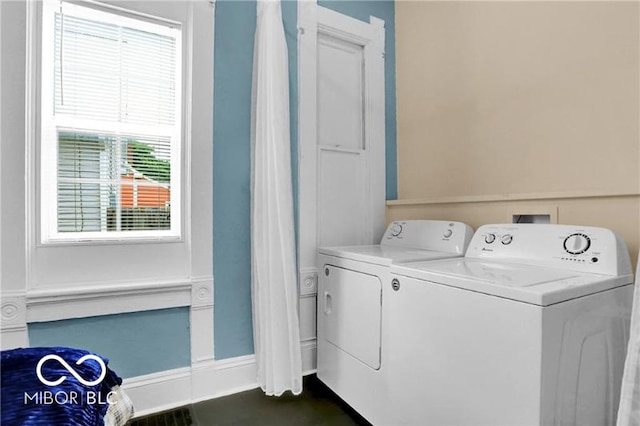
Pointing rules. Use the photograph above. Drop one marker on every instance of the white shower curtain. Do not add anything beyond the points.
(629, 411)
(276, 333)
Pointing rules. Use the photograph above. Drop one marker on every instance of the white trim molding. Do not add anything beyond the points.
(307, 131)
(166, 390)
(234, 375)
(157, 392)
(13, 326)
(309, 356)
(20, 308)
(14, 311)
(202, 320)
(308, 280)
(153, 393)
(533, 196)
(92, 300)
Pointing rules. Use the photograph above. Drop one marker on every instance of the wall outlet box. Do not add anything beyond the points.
(531, 218)
(533, 214)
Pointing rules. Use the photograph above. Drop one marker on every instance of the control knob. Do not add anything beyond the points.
(489, 238)
(396, 229)
(577, 243)
(447, 233)
(506, 239)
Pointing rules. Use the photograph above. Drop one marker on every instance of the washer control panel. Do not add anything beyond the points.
(440, 235)
(587, 249)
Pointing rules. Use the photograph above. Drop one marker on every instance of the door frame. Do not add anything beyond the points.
(314, 19)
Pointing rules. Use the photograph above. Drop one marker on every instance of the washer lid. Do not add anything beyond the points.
(385, 255)
(525, 283)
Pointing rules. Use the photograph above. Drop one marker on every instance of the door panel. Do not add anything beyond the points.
(342, 199)
(350, 312)
(340, 93)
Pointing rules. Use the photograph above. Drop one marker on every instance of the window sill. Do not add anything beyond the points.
(108, 241)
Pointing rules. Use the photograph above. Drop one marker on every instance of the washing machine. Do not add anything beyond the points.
(530, 327)
(351, 304)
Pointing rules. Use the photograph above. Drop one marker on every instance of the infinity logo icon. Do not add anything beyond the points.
(70, 370)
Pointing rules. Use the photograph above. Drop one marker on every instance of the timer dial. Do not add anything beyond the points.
(396, 229)
(577, 243)
(489, 238)
(447, 233)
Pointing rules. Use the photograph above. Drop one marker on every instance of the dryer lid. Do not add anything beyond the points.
(385, 255)
(525, 283)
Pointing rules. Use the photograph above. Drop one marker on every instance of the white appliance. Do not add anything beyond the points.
(529, 328)
(351, 294)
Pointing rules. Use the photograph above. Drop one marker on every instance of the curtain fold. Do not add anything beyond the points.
(276, 332)
(629, 411)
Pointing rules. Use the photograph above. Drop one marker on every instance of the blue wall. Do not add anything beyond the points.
(233, 64)
(136, 343)
(235, 26)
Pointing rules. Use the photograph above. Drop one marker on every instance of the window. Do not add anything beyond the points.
(110, 124)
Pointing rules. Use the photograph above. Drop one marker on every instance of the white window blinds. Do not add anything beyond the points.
(111, 124)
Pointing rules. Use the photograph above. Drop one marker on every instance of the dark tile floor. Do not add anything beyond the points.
(316, 406)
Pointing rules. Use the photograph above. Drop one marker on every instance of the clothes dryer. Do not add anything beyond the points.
(529, 328)
(351, 304)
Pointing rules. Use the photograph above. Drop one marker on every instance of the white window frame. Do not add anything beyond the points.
(50, 125)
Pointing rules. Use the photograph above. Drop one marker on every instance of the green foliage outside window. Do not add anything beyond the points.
(144, 161)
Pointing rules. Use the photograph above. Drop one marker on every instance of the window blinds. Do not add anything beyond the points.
(116, 83)
(113, 73)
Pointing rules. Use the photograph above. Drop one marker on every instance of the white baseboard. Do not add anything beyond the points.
(15, 337)
(309, 357)
(166, 390)
(233, 375)
(157, 392)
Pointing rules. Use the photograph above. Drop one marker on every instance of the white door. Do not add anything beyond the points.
(342, 127)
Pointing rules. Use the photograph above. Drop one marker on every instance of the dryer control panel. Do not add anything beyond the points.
(579, 248)
(438, 235)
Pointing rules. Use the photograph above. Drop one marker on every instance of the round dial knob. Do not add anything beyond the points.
(506, 239)
(577, 243)
(396, 229)
(447, 233)
(489, 238)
